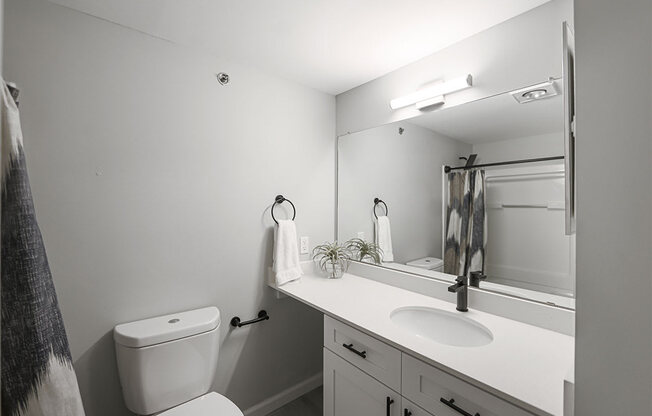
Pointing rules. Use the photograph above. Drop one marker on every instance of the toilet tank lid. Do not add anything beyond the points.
(171, 327)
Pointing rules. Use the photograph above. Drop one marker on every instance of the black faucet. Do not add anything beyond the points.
(461, 287)
(475, 278)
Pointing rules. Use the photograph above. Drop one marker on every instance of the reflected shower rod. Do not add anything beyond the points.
(509, 162)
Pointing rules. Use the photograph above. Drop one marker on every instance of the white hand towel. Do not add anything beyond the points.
(286, 253)
(384, 237)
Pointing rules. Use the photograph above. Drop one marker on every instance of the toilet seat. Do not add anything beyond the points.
(210, 404)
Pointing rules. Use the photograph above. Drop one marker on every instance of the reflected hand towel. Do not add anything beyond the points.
(384, 237)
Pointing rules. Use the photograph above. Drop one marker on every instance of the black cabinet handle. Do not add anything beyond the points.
(406, 412)
(389, 404)
(349, 347)
(451, 403)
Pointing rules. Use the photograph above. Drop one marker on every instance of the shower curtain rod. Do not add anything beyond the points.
(510, 162)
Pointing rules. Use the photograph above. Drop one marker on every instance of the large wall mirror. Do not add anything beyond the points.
(406, 186)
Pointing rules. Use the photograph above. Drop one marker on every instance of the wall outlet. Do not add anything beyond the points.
(305, 245)
(361, 235)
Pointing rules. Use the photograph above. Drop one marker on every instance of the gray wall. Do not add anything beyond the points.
(152, 185)
(404, 171)
(613, 370)
(524, 50)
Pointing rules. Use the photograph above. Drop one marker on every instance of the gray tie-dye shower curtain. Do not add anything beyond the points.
(466, 223)
(37, 374)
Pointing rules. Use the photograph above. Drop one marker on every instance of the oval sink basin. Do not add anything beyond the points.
(442, 326)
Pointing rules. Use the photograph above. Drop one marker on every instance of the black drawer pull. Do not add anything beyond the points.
(389, 403)
(451, 403)
(349, 347)
(406, 412)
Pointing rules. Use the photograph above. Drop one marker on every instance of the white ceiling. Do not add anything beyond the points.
(496, 118)
(330, 45)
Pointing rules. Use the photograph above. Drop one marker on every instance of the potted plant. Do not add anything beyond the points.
(333, 259)
(361, 250)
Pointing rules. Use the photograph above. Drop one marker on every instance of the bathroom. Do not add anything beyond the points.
(157, 135)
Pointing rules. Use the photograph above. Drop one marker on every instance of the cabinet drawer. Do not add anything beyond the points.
(426, 385)
(348, 391)
(372, 356)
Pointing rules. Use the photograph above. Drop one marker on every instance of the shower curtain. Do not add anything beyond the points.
(466, 223)
(37, 374)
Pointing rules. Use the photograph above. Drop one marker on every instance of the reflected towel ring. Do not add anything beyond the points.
(279, 200)
(380, 201)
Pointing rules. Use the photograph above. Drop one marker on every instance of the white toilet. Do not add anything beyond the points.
(428, 263)
(167, 364)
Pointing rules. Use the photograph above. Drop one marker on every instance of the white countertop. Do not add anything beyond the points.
(524, 364)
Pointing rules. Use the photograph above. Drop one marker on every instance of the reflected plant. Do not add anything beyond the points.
(362, 250)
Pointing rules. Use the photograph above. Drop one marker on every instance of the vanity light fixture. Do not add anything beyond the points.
(536, 92)
(433, 94)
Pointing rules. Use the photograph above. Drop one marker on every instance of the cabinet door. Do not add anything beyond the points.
(350, 392)
(410, 409)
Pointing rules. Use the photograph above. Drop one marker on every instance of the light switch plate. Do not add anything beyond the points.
(305, 245)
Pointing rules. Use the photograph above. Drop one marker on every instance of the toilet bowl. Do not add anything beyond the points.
(167, 365)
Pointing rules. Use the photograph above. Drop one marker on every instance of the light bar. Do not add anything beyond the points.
(420, 105)
(437, 91)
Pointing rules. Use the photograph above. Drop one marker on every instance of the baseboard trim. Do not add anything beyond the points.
(270, 404)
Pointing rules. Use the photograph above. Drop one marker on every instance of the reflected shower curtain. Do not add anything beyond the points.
(466, 223)
(37, 374)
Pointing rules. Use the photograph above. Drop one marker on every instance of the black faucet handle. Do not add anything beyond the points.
(475, 278)
(460, 283)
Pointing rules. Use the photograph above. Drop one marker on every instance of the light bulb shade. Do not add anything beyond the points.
(430, 102)
(428, 93)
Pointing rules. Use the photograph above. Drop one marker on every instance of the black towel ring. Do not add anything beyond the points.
(380, 201)
(279, 200)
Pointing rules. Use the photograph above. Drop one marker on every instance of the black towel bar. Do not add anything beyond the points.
(236, 322)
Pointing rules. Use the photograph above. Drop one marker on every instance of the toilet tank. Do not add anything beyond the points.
(167, 360)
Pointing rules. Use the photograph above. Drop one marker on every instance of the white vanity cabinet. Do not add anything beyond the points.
(446, 395)
(350, 391)
(410, 409)
(364, 376)
(374, 357)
